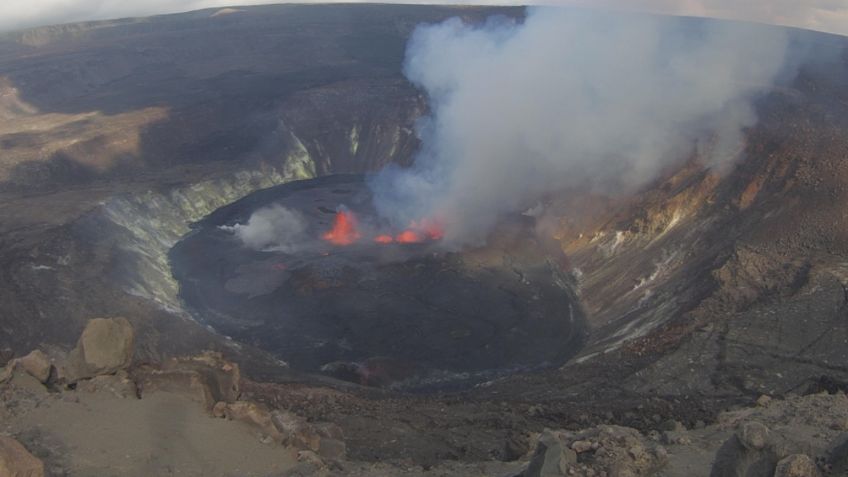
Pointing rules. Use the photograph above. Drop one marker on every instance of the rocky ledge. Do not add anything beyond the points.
(94, 409)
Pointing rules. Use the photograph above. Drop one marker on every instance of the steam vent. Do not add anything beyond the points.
(354, 299)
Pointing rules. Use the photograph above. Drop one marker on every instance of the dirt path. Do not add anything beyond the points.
(82, 434)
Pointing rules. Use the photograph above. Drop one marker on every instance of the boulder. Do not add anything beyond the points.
(744, 459)
(7, 371)
(581, 446)
(837, 455)
(219, 410)
(255, 415)
(602, 450)
(796, 465)
(517, 445)
(298, 433)
(6, 355)
(332, 449)
(675, 438)
(37, 364)
(16, 461)
(753, 435)
(671, 425)
(552, 458)
(764, 400)
(311, 458)
(106, 345)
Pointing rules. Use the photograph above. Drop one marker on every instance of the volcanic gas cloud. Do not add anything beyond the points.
(521, 109)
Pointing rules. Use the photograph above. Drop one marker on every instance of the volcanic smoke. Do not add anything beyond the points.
(569, 99)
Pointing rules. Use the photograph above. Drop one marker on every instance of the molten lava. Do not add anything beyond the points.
(344, 231)
(419, 231)
(384, 239)
(431, 228)
(409, 236)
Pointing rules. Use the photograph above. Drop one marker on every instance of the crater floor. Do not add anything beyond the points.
(376, 313)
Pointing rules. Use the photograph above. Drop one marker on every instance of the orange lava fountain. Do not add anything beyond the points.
(344, 231)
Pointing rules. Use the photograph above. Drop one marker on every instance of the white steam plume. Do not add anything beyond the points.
(569, 99)
(273, 228)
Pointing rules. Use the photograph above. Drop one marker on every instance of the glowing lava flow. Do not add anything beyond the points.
(409, 236)
(419, 231)
(384, 239)
(431, 228)
(344, 231)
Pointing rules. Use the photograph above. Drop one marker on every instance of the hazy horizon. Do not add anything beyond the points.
(829, 16)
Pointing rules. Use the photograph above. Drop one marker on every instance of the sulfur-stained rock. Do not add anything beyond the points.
(106, 345)
(16, 461)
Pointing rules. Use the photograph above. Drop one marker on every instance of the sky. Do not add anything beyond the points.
(823, 15)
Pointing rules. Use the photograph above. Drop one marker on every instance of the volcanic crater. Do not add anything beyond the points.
(702, 291)
(354, 299)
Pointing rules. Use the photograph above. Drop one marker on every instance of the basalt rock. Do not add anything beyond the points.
(603, 450)
(553, 457)
(750, 452)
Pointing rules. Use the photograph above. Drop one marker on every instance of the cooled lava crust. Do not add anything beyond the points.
(379, 314)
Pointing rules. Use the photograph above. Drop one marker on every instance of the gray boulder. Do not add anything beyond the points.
(751, 452)
(552, 458)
